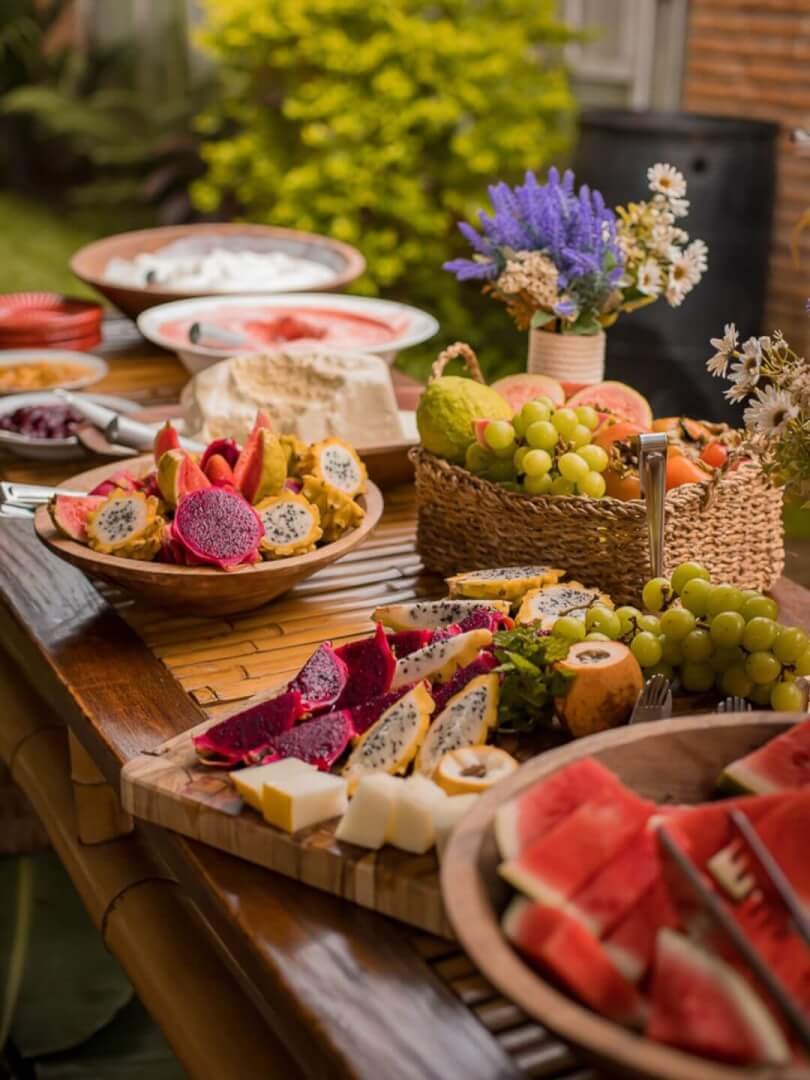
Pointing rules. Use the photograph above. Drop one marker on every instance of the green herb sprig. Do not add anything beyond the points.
(530, 680)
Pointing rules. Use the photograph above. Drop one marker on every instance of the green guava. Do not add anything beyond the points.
(447, 410)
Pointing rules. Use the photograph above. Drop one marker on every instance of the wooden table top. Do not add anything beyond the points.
(349, 992)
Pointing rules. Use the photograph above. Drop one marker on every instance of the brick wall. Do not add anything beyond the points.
(752, 58)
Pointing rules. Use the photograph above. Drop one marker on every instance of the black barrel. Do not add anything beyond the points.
(729, 167)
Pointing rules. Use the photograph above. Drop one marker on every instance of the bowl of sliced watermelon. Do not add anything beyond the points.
(558, 887)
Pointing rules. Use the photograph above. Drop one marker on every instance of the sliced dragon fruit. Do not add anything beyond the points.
(228, 742)
(404, 642)
(481, 618)
(225, 448)
(218, 527)
(322, 679)
(371, 665)
(122, 479)
(320, 742)
(363, 716)
(482, 665)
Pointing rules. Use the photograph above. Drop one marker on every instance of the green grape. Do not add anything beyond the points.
(499, 470)
(565, 421)
(790, 644)
(519, 423)
(603, 619)
(572, 467)
(656, 594)
(537, 463)
(499, 435)
(723, 598)
(759, 605)
(646, 648)
(747, 594)
(517, 460)
(727, 629)
(788, 697)
(735, 680)
(761, 693)
(802, 665)
(477, 459)
(561, 486)
(677, 622)
(627, 615)
(537, 485)
(724, 658)
(663, 668)
(592, 484)
(595, 456)
(581, 436)
(588, 416)
(687, 571)
(763, 667)
(671, 651)
(697, 677)
(533, 411)
(649, 623)
(544, 399)
(595, 635)
(697, 646)
(759, 633)
(695, 595)
(569, 627)
(542, 435)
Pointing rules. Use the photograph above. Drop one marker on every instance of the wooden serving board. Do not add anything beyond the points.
(168, 787)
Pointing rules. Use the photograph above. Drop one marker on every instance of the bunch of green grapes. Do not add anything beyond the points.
(543, 451)
(710, 635)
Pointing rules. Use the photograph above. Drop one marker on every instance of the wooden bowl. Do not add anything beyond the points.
(194, 589)
(89, 262)
(675, 760)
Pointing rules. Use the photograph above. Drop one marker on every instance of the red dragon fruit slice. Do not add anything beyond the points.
(482, 665)
(320, 742)
(322, 679)
(227, 743)
(481, 618)
(404, 642)
(363, 716)
(371, 665)
(226, 448)
(218, 527)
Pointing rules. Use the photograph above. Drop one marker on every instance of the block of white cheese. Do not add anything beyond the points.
(367, 820)
(411, 826)
(447, 814)
(310, 391)
(249, 782)
(297, 801)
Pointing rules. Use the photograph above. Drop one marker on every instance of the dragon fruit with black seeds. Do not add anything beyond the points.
(322, 679)
(482, 665)
(363, 716)
(319, 742)
(371, 665)
(404, 642)
(228, 742)
(218, 527)
(480, 618)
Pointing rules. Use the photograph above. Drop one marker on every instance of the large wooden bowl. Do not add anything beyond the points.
(197, 590)
(90, 261)
(677, 761)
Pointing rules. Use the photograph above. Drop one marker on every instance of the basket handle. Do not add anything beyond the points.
(457, 349)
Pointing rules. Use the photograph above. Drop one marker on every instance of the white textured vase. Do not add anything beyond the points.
(571, 358)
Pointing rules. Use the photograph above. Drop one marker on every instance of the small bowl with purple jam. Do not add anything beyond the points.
(39, 425)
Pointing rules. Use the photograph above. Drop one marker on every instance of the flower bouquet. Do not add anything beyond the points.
(566, 266)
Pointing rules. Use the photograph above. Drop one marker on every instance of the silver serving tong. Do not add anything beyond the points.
(28, 496)
(118, 429)
(652, 471)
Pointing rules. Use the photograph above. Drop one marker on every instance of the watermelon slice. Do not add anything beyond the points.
(631, 944)
(612, 892)
(702, 1005)
(617, 401)
(534, 812)
(556, 866)
(705, 830)
(780, 764)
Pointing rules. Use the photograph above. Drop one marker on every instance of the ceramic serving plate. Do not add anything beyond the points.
(383, 327)
(93, 367)
(673, 761)
(26, 446)
(193, 589)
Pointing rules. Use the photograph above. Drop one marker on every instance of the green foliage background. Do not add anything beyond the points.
(381, 123)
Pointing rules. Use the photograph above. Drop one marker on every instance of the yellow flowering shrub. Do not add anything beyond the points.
(380, 122)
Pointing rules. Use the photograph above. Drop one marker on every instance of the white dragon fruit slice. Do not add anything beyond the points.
(505, 583)
(464, 721)
(336, 462)
(392, 742)
(122, 518)
(292, 525)
(433, 614)
(546, 604)
(441, 659)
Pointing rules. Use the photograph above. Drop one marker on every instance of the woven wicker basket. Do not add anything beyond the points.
(734, 528)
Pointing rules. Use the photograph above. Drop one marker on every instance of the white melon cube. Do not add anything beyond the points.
(447, 814)
(411, 825)
(249, 782)
(366, 821)
(304, 799)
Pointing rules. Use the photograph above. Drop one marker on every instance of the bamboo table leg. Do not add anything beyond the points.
(99, 814)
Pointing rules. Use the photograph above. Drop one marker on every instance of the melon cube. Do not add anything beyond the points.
(303, 799)
(367, 820)
(249, 782)
(447, 813)
(411, 826)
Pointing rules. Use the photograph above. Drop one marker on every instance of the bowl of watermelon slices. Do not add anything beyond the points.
(558, 887)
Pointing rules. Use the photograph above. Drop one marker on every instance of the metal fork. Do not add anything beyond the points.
(654, 701)
(733, 704)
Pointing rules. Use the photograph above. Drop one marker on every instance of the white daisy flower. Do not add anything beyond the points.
(650, 280)
(662, 239)
(667, 180)
(738, 392)
(723, 348)
(679, 207)
(771, 411)
(698, 254)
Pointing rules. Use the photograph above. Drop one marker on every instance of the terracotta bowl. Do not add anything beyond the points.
(89, 262)
(197, 590)
(675, 761)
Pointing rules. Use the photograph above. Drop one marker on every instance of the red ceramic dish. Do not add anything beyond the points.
(48, 319)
